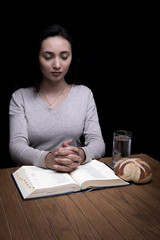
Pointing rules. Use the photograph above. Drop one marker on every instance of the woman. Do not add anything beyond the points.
(49, 120)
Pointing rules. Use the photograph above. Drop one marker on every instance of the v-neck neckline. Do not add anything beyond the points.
(47, 107)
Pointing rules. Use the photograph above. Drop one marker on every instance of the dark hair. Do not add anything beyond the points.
(73, 72)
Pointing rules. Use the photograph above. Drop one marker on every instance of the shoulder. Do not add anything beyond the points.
(22, 95)
(82, 94)
(21, 92)
(82, 90)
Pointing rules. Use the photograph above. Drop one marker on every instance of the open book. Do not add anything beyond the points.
(34, 182)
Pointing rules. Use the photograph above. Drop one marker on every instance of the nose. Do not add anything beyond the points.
(56, 64)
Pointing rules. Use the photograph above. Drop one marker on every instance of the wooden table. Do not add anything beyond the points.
(130, 212)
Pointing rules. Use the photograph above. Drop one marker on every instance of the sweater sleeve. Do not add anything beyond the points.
(20, 150)
(94, 146)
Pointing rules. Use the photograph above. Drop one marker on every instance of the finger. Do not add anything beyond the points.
(63, 168)
(63, 161)
(67, 143)
(73, 149)
(67, 159)
(63, 151)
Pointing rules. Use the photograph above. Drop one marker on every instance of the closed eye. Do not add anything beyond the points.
(65, 55)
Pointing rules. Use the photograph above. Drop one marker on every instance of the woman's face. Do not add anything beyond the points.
(55, 58)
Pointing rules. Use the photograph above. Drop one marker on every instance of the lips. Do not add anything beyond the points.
(56, 74)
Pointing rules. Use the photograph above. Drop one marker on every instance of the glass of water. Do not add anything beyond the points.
(121, 145)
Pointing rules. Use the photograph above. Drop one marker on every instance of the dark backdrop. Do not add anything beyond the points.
(119, 64)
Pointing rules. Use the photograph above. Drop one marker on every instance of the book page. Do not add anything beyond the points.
(95, 173)
(24, 184)
(46, 178)
(36, 181)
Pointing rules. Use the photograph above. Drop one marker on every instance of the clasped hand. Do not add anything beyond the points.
(65, 158)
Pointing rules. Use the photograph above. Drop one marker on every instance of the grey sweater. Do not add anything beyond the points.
(35, 129)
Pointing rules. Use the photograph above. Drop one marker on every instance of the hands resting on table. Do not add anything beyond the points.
(65, 158)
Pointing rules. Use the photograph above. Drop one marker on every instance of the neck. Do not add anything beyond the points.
(52, 87)
(53, 94)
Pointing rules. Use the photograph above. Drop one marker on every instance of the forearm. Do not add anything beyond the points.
(25, 155)
(94, 150)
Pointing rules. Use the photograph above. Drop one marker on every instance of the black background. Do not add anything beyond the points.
(119, 50)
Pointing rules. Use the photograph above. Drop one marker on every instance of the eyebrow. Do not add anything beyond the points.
(48, 52)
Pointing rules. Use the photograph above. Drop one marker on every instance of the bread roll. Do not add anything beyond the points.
(133, 169)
